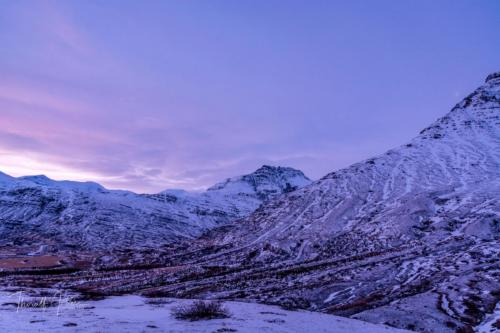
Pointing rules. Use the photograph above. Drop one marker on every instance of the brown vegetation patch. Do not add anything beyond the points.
(30, 262)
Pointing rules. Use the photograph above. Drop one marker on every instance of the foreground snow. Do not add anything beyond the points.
(137, 314)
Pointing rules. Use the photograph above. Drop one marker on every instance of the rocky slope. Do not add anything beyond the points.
(445, 182)
(414, 231)
(38, 211)
(409, 238)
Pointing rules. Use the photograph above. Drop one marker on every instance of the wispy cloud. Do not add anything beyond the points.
(147, 96)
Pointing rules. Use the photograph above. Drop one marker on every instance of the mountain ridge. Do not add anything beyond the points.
(85, 215)
(408, 238)
(473, 118)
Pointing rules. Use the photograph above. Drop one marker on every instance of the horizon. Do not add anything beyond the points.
(183, 95)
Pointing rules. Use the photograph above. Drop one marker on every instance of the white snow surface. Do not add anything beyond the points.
(131, 313)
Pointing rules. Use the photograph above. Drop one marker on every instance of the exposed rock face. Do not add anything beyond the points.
(36, 210)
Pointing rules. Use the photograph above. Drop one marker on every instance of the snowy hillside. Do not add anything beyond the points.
(36, 210)
(444, 182)
(409, 238)
(421, 224)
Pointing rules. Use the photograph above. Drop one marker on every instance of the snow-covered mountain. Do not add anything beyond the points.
(409, 238)
(444, 183)
(264, 184)
(421, 224)
(36, 210)
(239, 196)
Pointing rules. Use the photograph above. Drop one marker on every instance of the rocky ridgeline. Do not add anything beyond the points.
(66, 215)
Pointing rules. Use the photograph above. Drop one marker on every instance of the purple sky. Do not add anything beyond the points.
(148, 95)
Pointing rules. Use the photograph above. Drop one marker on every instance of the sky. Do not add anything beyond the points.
(149, 95)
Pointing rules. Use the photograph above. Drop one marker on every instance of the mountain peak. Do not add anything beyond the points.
(493, 76)
(64, 184)
(38, 179)
(269, 169)
(484, 99)
(265, 182)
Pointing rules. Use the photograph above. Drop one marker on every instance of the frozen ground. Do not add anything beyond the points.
(136, 314)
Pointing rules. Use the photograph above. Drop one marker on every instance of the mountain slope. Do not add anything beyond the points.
(426, 213)
(36, 210)
(409, 238)
(444, 182)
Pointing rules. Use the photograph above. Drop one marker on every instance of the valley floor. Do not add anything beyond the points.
(137, 314)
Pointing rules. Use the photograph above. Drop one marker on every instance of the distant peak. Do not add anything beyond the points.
(37, 178)
(5, 177)
(493, 76)
(265, 182)
(269, 168)
(276, 169)
(68, 184)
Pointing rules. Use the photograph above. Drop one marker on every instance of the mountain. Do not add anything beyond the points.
(240, 196)
(68, 215)
(45, 181)
(409, 238)
(264, 184)
(444, 183)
